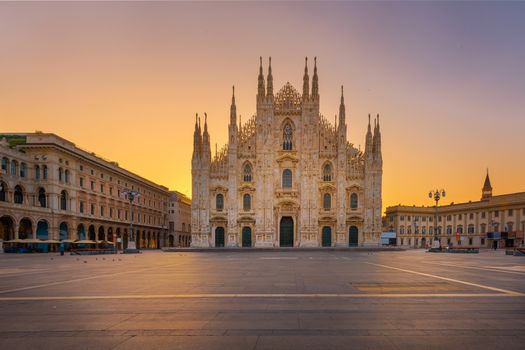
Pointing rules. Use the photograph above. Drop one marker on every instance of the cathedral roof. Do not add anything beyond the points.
(288, 100)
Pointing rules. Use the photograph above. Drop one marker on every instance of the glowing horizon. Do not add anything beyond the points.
(125, 80)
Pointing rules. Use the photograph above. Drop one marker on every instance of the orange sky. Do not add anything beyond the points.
(125, 80)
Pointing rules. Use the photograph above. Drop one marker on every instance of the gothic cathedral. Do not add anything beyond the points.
(287, 177)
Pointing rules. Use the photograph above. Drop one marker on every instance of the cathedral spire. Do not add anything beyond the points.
(233, 109)
(260, 86)
(196, 138)
(369, 140)
(486, 192)
(306, 80)
(269, 81)
(315, 82)
(342, 114)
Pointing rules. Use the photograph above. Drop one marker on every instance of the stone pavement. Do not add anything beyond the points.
(263, 300)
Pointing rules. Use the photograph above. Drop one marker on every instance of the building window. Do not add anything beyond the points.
(483, 241)
(45, 172)
(460, 217)
(287, 178)
(92, 209)
(111, 191)
(3, 191)
(327, 172)
(102, 211)
(66, 173)
(496, 214)
(470, 229)
(13, 167)
(22, 169)
(470, 241)
(219, 202)
(327, 201)
(510, 226)
(60, 174)
(247, 172)
(101, 188)
(42, 197)
(402, 230)
(354, 203)
(471, 216)
(37, 172)
(511, 211)
(18, 195)
(5, 163)
(92, 185)
(81, 207)
(287, 137)
(172, 226)
(246, 202)
(63, 200)
(402, 218)
(459, 229)
(483, 228)
(82, 182)
(483, 215)
(449, 230)
(449, 217)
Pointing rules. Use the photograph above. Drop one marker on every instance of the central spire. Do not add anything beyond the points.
(315, 82)
(269, 84)
(260, 86)
(306, 80)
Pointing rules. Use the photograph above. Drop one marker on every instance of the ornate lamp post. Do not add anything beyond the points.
(436, 194)
(131, 195)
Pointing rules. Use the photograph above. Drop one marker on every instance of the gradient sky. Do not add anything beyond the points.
(125, 80)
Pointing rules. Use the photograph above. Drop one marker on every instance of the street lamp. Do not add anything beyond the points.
(436, 194)
(130, 195)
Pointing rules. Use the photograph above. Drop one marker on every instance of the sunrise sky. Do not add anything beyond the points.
(125, 80)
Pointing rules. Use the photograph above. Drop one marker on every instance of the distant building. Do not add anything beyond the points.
(287, 177)
(499, 219)
(52, 190)
(179, 220)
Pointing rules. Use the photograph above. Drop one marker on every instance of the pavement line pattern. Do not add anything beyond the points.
(491, 269)
(501, 290)
(263, 296)
(80, 279)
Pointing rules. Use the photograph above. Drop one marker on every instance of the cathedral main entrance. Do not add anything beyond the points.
(219, 237)
(326, 239)
(353, 234)
(246, 236)
(286, 232)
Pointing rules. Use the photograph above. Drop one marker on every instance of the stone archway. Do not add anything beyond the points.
(7, 228)
(91, 233)
(63, 231)
(219, 236)
(42, 230)
(81, 232)
(25, 229)
(286, 232)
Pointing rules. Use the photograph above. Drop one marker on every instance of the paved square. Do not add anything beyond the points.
(263, 300)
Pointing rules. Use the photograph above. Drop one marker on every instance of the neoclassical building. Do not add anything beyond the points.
(51, 189)
(494, 219)
(179, 220)
(287, 177)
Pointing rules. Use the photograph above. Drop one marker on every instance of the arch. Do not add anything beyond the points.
(353, 201)
(101, 236)
(246, 202)
(110, 234)
(327, 201)
(63, 200)
(92, 235)
(81, 232)
(42, 230)
(353, 236)
(7, 228)
(247, 172)
(286, 232)
(246, 236)
(287, 136)
(171, 240)
(219, 236)
(219, 201)
(42, 201)
(287, 180)
(327, 172)
(3, 192)
(326, 236)
(18, 195)
(63, 232)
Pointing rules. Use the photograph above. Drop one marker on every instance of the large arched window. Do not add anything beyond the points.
(353, 201)
(327, 201)
(22, 169)
(37, 172)
(3, 192)
(246, 202)
(287, 178)
(327, 172)
(287, 137)
(247, 172)
(19, 195)
(5, 164)
(42, 197)
(460, 229)
(63, 200)
(14, 165)
(45, 172)
(219, 201)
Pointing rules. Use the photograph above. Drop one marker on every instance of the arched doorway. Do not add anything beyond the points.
(423, 242)
(171, 241)
(246, 236)
(42, 230)
(81, 232)
(25, 229)
(62, 231)
(101, 233)
(286, 232)
(125, 239)
(353, 236)
(219, 237)
(326, 237)
(91, 233)
(7, 228)
(110, 234)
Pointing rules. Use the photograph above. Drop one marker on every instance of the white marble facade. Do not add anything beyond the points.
(287, 176)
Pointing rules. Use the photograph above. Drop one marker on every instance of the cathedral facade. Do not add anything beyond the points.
(287, 177)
